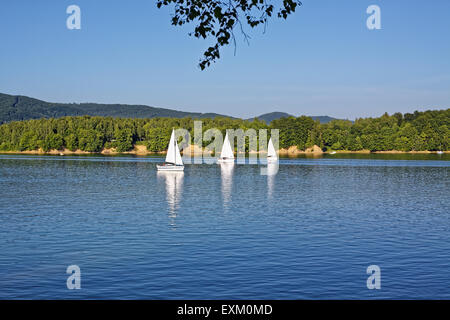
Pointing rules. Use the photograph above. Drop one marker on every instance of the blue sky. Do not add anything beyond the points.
(321, 61)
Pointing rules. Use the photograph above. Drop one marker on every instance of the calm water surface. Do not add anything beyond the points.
(221, 232)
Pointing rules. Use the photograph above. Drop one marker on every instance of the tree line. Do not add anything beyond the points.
(416, 131)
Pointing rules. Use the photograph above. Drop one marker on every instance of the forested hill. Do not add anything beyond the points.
(16, 108)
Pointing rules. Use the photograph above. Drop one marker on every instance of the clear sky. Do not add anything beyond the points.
(321, 61)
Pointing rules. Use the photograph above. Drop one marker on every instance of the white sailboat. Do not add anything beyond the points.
(227, 154)
(173, 158)
(271, 153)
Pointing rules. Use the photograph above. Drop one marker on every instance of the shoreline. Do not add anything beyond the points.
(142, 150)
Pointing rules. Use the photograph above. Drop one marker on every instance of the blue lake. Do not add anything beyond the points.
(220, 232)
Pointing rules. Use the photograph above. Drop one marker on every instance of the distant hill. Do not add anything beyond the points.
(15, 108)
(323, 119)
(269, 117)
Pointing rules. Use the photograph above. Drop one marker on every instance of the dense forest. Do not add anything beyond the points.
(417, 131)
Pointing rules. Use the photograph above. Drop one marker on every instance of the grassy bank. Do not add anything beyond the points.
(142, 150)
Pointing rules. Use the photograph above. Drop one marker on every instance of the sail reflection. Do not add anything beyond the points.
(174, 190)
(226, 170)
(272, 170)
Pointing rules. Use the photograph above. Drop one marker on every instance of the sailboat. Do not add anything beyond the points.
(227, 154)
(271, 153)
(173, 158)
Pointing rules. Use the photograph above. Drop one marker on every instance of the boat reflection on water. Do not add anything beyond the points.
(226, 170)
(174, 190)
(272, 170)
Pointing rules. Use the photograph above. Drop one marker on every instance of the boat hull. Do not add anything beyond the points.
(169, 168)
(225, 161)
(272, 160)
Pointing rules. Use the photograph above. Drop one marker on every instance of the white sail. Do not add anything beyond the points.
(226, 149)
(173, 153)
(271, 153)
(178, 159)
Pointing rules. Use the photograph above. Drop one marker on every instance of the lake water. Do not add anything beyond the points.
(215, 232)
